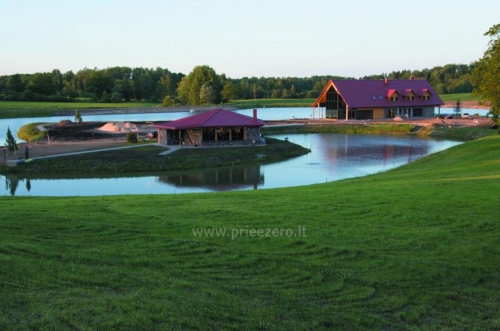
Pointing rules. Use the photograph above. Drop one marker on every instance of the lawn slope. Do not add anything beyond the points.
(412, 248)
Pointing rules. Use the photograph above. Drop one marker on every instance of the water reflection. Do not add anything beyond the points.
(333, 157)
(220, 179)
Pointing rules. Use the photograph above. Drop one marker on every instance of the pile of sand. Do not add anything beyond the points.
(118, 127)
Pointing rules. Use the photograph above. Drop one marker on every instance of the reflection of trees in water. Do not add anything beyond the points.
(220, 179)
(11, 183)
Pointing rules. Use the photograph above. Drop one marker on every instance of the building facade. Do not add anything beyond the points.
(218, 127)
(376, 99)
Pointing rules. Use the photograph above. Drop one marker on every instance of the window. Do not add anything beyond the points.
(237, 133)
(390, 112)
(364, 114)
(208, 134)
(418, 112)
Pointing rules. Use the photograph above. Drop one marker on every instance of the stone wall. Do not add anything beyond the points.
(252, 134)
(192, 137)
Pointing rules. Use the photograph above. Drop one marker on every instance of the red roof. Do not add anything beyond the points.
(373, 93)
(213, 118)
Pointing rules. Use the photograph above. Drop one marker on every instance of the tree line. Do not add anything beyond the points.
(201, 86)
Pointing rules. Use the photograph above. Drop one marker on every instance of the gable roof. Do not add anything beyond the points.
(213, 118)
(374, 93)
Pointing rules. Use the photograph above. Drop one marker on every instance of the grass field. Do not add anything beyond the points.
(459, 96)
(412, 248)
(146, 159)
(13, 109)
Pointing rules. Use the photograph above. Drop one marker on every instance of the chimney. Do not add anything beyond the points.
(386, 81)
(254, 114)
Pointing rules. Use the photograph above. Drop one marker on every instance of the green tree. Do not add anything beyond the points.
(229, 92)
(207, 95)
(42, 83)
(78, 116)
(10, 142)
(486, 74)
(15, 83)
(99, 83)
(189, 89)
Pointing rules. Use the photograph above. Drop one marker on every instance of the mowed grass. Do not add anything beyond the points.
(14, 109)
(413, 248)
(270, 103)
(459, 96)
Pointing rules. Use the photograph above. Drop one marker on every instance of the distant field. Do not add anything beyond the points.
(261, 103)
(11, 109)
(459, 96)
(73, 105)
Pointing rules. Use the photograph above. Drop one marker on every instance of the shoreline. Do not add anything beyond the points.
(144, 110)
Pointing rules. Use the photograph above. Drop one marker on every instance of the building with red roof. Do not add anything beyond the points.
(218, 127)
(375, 99)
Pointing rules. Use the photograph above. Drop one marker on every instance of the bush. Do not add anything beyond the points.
(168, 101)
(132, 138)
(30, 132)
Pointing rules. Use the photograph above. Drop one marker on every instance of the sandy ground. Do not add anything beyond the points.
(108, 135)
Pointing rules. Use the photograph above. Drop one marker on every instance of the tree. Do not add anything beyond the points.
(10, 142)
(207, 95)
(15, 83)
(78, 116)
(189, 89)
(458, 107)
(486, 74)
(229, 92)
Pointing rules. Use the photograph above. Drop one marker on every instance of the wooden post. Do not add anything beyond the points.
(346, 112)
(180, 138)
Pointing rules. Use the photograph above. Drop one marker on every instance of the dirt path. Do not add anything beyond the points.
(44, 149)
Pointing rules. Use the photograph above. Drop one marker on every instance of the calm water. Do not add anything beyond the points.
(333, 157)
(266, 114)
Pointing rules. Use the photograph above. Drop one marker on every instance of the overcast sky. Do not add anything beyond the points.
(270, 38)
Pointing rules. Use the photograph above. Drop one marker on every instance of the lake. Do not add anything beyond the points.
(333, 157)
(266, 114)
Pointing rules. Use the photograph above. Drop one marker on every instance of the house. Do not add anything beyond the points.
(218, 127)
(377, 99)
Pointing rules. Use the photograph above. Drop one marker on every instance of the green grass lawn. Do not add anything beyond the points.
(416, 247)
(459, 96)
(145, 159)
(269, 103)
(13, 109)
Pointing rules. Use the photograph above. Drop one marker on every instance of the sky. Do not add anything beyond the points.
(259, 38)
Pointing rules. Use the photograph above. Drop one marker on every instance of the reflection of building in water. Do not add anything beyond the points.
(218, 179)
(371, 149)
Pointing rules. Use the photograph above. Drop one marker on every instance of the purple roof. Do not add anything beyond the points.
(374, 93)
(212, 118)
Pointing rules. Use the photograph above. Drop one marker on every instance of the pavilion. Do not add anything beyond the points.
(218, 127)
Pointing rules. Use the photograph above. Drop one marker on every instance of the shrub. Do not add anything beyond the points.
(30, 132)
(132, 138)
